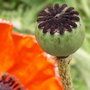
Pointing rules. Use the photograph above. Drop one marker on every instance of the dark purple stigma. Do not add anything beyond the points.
(58, 19)
(8, 82)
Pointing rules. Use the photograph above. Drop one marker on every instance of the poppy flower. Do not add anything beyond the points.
(22, 57)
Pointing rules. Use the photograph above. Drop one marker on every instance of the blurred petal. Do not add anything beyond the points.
(49, 84)
(33, 67)
(21, 56)
(6, 46)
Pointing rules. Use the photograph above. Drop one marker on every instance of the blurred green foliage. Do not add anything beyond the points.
(23, 14)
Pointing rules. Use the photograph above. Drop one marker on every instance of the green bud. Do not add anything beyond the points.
(62, 33)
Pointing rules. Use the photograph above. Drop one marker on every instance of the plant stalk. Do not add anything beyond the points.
(64, 72)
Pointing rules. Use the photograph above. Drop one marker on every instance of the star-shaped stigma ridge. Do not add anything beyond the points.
(58, 18)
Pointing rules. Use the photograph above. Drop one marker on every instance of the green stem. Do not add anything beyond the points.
(64, 72)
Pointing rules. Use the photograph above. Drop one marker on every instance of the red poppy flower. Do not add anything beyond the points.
(21, 56)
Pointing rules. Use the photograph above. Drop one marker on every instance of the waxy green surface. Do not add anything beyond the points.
(61, 45)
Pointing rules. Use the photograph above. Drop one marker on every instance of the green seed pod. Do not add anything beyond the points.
(59, 30)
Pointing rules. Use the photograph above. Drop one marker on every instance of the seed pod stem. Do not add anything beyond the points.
(64, 72)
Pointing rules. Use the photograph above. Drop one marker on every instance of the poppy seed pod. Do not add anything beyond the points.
(59, 30)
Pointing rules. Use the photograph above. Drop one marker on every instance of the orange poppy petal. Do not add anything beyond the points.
(21, 56)
(6, 46)
(49, 84)
(33, 65)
